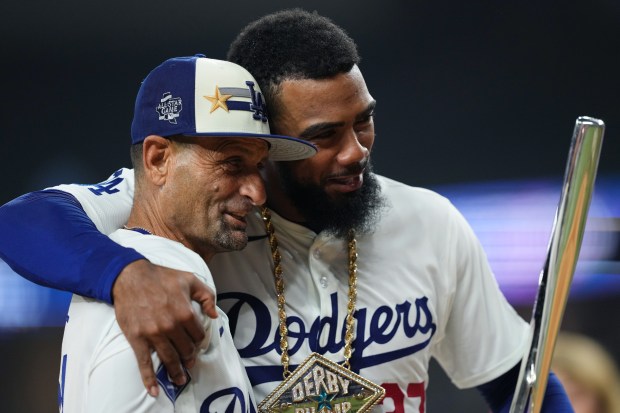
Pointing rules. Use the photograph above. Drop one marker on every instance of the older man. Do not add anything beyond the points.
(199, 142)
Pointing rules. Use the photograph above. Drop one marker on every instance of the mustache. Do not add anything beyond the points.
(355, 169)
(239, 206)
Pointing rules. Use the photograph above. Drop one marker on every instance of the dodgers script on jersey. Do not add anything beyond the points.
(424, 290)
(99, 371)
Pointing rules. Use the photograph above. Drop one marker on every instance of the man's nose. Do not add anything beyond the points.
(253, 187)
(352, 151)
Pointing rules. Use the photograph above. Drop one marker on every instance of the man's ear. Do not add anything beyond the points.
(156, 155)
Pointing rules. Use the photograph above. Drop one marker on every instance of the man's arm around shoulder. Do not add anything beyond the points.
(46, 237)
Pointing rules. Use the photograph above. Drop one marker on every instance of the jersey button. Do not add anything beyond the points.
(317, 253)
(323, 281)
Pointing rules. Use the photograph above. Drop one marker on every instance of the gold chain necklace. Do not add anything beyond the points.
(318, 383)
(279, 280)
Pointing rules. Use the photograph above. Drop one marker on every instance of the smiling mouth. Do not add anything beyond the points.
(237, 221)
(346, 183)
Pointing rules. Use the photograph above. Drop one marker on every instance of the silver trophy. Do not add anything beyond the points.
(557, 273)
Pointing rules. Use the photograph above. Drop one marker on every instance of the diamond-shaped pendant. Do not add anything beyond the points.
(319, 385)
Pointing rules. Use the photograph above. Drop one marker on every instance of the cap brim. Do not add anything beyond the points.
(281, 148)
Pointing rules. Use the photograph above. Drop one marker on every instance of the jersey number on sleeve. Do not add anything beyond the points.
(109, 186)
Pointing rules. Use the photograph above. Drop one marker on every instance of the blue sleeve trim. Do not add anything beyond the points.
(498, 393)
(47, 238)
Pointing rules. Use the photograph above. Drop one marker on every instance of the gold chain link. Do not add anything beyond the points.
(350, 320)
(279, 282)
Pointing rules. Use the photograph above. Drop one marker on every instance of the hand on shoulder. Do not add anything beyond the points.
(153, 308)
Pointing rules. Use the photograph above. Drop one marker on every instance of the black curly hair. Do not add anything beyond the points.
(292, 44)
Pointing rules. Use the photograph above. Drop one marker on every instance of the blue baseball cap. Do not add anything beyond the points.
(196, 96)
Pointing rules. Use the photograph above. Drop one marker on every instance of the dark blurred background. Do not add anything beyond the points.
(468, 92)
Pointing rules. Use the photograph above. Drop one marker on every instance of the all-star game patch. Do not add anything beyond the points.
(169, 108)
(319, 385)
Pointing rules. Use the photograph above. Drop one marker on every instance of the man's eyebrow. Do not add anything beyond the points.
(367, 112)
(312, 130)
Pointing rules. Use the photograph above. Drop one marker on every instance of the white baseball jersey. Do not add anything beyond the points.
(99, 371)
(424, 290)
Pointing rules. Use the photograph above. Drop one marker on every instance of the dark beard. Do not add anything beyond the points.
(358, 210)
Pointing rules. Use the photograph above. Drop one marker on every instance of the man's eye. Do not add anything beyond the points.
(233, 164)
(322, 135)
